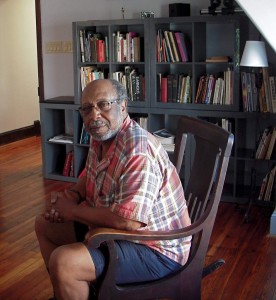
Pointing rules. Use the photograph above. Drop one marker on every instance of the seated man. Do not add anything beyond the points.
(128, 183)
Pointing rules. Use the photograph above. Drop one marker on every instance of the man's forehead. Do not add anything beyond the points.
(96, 92)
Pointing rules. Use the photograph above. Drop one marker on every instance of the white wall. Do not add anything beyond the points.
(57, 18)
(262, 14)
(19, 103)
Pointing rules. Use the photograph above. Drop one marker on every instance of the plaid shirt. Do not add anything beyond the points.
(137, 180)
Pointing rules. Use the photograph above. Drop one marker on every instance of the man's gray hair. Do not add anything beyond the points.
(120, 90)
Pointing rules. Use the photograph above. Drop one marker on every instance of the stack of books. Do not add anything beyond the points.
(62, 139)
(166, 138)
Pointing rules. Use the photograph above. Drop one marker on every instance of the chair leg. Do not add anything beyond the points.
(92, 292)
(212, 267)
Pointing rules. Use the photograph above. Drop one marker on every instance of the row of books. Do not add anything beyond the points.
(215, 88)
(68, 167)
(174, 88)
(267, 94)
(133, 81)
(171, 46)
(127, 46)
(258, 91)
(93, 46)
(130, 78)
(88, 74)
(142, 121)
(266, 143)
(226, 124)
(249, 91)
(267, 185)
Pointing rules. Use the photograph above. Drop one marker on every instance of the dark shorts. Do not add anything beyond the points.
(136, 262)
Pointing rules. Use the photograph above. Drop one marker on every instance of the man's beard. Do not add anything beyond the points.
(111, 133)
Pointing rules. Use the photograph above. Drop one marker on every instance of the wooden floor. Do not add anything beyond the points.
(250, 254)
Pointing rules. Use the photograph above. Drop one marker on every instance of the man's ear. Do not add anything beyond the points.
(124, 106)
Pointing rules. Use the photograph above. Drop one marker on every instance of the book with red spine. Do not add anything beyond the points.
(179, 36)
(67, 164)
(164, 89)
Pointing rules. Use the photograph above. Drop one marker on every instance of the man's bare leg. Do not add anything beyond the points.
(69, 263)
(52, 235)
(71, 269)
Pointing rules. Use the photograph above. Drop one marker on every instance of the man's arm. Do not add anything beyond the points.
(103, 217)
(69, 210)
(79, 189)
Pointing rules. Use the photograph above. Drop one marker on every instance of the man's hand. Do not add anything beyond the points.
(59, 207)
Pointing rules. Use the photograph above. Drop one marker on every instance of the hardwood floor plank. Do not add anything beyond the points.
(250, 253)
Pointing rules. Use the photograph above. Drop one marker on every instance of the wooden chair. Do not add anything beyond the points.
(211, 147)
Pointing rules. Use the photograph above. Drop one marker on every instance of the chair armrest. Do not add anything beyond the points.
(99, 235)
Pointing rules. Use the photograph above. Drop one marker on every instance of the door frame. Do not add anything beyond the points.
(40, 88)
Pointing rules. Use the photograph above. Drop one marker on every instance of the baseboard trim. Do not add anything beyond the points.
(20, 134)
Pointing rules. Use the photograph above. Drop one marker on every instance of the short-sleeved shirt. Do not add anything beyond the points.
(137, 181)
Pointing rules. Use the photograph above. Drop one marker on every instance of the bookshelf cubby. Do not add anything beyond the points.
(205, 37)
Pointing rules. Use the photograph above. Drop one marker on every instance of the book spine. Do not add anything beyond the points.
(180, 47)
(170, 88)
(71, 173)
(271, 144)
(174, 46)
(82, 45)
(272, 88)
(67, 164)
(164, 89)
(168, 45)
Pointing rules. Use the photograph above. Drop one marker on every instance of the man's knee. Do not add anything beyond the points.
(59, 264)
(71, 262)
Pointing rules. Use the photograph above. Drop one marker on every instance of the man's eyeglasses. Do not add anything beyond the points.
(102, 105)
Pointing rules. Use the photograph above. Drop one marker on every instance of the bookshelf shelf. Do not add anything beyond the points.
(205, 37)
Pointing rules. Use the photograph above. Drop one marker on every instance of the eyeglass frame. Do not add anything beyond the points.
(90, 106)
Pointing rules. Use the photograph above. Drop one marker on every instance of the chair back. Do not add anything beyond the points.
(210, 150)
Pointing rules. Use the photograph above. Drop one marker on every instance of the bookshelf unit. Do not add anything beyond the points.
(205, 36)
(60, 118)
(113, 29)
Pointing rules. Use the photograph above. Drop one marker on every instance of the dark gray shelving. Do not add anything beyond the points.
(206, 36)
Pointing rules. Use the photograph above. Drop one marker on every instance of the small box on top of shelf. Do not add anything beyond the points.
(179, 10)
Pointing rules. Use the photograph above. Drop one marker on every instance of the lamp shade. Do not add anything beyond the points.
(254, 54)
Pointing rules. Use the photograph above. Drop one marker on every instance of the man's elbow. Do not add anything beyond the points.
(131, 225)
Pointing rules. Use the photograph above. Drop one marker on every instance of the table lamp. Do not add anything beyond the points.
(254, 56)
